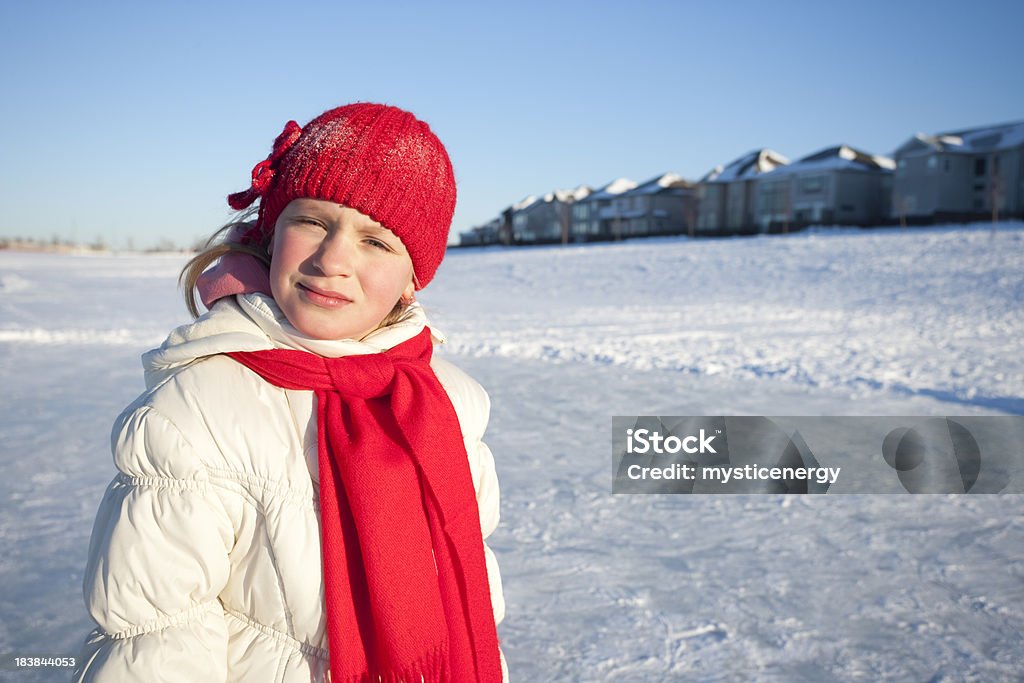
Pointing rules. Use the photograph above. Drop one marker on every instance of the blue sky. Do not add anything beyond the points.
(133, 121)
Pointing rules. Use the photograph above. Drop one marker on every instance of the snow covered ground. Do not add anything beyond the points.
(602, 587)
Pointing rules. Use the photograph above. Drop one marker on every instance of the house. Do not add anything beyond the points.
(586, 224)
(726, 194)
(518, 220)
(545, 220)
(663, 205)
(960, 175)
(835, 186)
(481, 235)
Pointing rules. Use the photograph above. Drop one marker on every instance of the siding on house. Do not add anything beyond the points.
(586, 223)
(835, 186)
(960, 174)
(663, 205)
(481, 235)
(546, 219)
(727, 194)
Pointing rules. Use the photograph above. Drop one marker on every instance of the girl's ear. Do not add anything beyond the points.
(409, 294)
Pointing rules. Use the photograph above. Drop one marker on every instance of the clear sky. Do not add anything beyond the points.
(134, 120)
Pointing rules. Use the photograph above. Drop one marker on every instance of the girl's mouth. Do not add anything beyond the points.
(322, 298)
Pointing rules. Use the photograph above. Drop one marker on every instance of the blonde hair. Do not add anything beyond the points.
(212, 250)
(217, 246)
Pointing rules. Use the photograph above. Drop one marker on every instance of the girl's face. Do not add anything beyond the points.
(336, 272)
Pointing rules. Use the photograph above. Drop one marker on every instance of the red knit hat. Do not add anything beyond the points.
(375, 158)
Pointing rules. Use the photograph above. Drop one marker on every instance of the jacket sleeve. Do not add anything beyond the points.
(473, 408)
(485, 482)
(158, 559)
(485, 479)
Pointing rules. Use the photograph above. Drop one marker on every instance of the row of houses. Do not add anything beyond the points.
(955, 176)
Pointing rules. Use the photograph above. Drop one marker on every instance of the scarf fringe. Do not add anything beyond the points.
(431, 668)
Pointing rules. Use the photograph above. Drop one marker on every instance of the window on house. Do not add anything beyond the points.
(979, 166)
(933, 162)
(812, 185)
(945, 165)
(846, 207)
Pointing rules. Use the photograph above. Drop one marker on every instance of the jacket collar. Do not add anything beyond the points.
(254, 322)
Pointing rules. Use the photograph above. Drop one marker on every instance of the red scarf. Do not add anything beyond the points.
(404, 572)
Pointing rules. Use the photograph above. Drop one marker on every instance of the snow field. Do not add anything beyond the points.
(602, 587)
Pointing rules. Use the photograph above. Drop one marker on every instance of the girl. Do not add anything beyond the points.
(303, 491)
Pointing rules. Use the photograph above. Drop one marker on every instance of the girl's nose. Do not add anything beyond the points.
(336, 255)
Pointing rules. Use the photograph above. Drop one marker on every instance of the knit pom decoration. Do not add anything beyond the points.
(263, 172)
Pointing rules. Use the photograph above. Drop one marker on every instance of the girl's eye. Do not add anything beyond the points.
(307, 224)
(378, 244)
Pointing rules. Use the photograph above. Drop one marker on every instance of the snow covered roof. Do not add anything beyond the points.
(970, 141)
(568, 196)
(565, 196)
(746, 167)
(612, 189)
(657, 184)
(842, 157)
(523, 203)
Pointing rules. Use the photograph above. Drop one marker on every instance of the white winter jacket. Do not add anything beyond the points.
(204, 563)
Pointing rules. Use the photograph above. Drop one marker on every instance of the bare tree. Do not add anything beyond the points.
(787, 207)
(901, 208)
(563, 218)
(995, 187)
